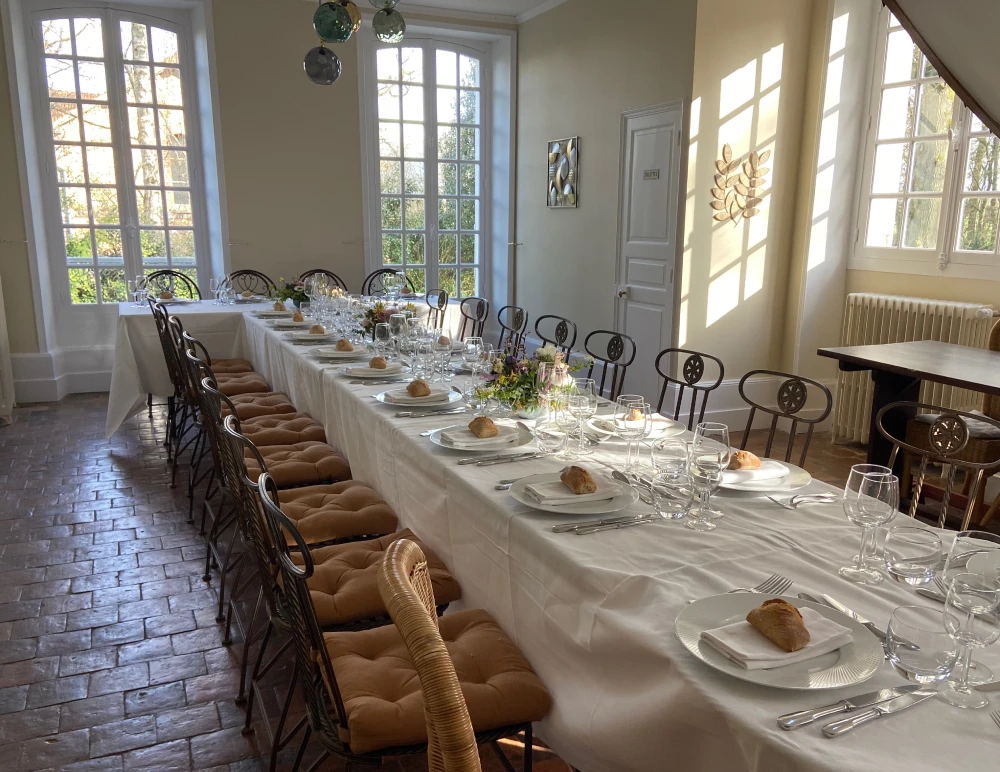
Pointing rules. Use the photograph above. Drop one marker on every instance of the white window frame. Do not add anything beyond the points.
(945, 259)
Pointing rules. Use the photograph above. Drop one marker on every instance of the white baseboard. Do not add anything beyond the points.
(48, 377)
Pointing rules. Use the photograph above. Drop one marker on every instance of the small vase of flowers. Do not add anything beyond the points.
(520, 380)
(381, 311)
(292, 290)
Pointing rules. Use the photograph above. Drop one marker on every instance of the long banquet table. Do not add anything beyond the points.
(595, 614)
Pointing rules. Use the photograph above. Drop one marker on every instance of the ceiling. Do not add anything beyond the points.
(520, 9)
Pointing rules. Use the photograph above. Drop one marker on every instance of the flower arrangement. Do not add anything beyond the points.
(292, 290)
(518, 380)
(381, 311)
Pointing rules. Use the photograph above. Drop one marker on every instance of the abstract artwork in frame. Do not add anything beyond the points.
(564, 173)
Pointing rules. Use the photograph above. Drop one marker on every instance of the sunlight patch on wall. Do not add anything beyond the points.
(695, 116)
(817, 243)
(692, 172)
(770, 66)
(738, 88)
(686, 272)
(828, 139)
(838, 33)
(736, 131)
(727, 246)
(723, 295)
(689, 218)
(757, 226)
(767, 115)
(823, 192)
(834, 79)
(682, 324)
(754, 281)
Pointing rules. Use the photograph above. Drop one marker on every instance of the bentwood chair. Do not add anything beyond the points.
(692, 377)
(792, 397)
(373, 283)
(337, 281)
(177, 413)
(177, 282)
(247, 280)
(361, 690)
(614, 352)
(513, 323)
(437, 305)
(556, 331)
(475, 312)
(957, 440)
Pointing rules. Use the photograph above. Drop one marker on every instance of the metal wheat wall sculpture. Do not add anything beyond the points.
(736, 195)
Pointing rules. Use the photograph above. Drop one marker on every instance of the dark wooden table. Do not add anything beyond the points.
(898, 369)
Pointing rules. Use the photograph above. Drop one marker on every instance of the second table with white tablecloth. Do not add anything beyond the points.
(595, 615)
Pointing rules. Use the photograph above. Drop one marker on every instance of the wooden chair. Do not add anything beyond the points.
(328, 274)
(253, 281)
(693, 373)
(563, 332)
(513, 323)
(177, 282)
(614, 351)
(475, 312)
(793, 394)
(437, 305)
(372, 285)
(943, 438)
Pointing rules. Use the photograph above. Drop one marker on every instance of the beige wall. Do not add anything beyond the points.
(936, 287)
(579, 66)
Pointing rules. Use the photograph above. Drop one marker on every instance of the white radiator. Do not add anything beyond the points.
(871, 319)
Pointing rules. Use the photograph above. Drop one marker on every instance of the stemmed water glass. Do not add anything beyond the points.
(973, 552)
(397, 326)
(970, 617)
(213, 285)
(871, 498)
(441, 346)
(710, 455)
(582, 405)
(383, 338)
(471, 352)
(140, 289)
(631, 421)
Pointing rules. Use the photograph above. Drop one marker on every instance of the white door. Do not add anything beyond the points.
(647, 237)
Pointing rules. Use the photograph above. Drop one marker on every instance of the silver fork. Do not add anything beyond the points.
(775, 584)
(995, 715)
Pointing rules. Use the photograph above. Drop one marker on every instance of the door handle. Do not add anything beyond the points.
(625, 292)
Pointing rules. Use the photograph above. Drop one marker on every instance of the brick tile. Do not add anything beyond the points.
(167, 757)
(123, 632)
(29, 671)
(16, 651)
(122, 736)
(114, 596)
(170, 623)
(143, 608)
(19, 610)
(29, 723)
(176, 668)
(217, 686)
(87, 661)
(196, 640)
(32, 628)
(153, 648)
(187, 722)
(119, 679)
(45, 589)
(91, 617)
(70, 570)
(187, 568)
(223, 747)
(165, 588)
(103, 764)
(57, 691)
(66, 603)
(63, 643)
(94, 582)
(92, 711)
(13, 699)
(154, 699)
(56, 751)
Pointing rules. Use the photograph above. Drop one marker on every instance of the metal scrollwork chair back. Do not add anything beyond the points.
(437, 305)
(793, 394)
(475, 312)
(560, 332)
(337, 281)
(943, 437)
(247, 280)
(692, 377)
(615, 352)
(176, 282)
(373, 283)
(513, 322)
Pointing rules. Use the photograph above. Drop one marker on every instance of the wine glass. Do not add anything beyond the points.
(631, 423)
(383, 338)
(871, 498)
(710, 455)
(973, 552)
(970, 617)
(582, 405)
(441, 345)
(471, 351)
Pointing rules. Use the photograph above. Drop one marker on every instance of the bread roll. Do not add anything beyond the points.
(378, 363)
(635, 414)
(444, 340)
(317, 329)
(578, 480)
(298, 317)
(781, 623)
(744, 459)
(166, 295)
(483, 427)
(344, 345)
(418, 388)
(246, 294)
(279, 306)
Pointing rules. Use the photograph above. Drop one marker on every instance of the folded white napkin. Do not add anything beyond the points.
(465, 439)
(391, 368)
(556, 494)
(769, 470)
(748, 648)
(402, 397)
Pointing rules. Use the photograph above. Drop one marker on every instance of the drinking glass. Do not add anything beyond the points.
(871, 498)
(918, 646)
(583, 406)
(131, 290)
(422, 364)
(471, 352)
(912, 554)
(669, 456)
(549, 436)
(973, 552)
(631, 422)
(970, 617)
(140, 289)
(213, 285)
(710, 455)
(383, 338)
(673, 494)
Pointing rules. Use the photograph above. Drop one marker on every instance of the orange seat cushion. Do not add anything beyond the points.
(325, 513)
(242, 383)
(381, 690)
(282, 429)
(344, 584)
(231, 366)
(301, 463)
(256, 405)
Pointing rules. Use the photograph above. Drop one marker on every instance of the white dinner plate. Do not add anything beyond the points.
(330, 352)
(449, 398)
(176, 301)
(309, 336)
(272, 314)
(851, 664)
(517, 435)
(662, 428)
(352, 372)
(254, 299)
(626, 498)
(795, 479)
(290, 324)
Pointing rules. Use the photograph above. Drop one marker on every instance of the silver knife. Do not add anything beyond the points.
(494, 457)
(897, 705)
(803, 717)
(638, 520)
(834, 603)
(567, 527)
(428, 413)
(429, 432)
(510, 459)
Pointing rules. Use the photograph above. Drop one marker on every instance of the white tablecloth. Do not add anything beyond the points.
(139, 367)
(595, 614)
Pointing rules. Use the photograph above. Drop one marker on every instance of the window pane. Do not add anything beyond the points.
(93, 82)
(97, 123)
(413, 140)
(447, 68)
(82, 286)
(392, 249)
(468, 282)
(470, 248)
(447, 100)
(392, 214)
(175, 169)
(885, 221)
(413, 103)
(922, 216)
(105, 205)
(981, 171)
(447, 214)
(137, 84)
(929, 161)
(60, 78)
(69, 163)
(113, 285)
(73, 206)
(388, 101)
(154, 245)
(134, 43)
(470, 145)
(89, 38)
(388, 139)
(896, 116)
(164, 46)
(168, 86)
(149, 204)
(448, 179)
(172, 132)
(890, 168)
(936, 103)
(415, 214)
(447, 245)
(979, 224)
(179, 207)
(387, 64)
(109, 246)
(182, 247)
(977, 123)
(414, 248)
(55, 37)
(468, 69)
(77, 242)
(414, 177)
(470, 179)
(470, 215)
(390, 177)
(447, 142)
(413, 65)
(141, 125)
(902, 58)
(146, 167)
(930, 71)
(65, 122)
(417, 279)
(446, 280)
(470, 107)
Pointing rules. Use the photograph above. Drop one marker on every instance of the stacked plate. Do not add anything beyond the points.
(439, 395)
(661, 429)
(548, 493)
(460, 438)
(332, 354)
(772, 477)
